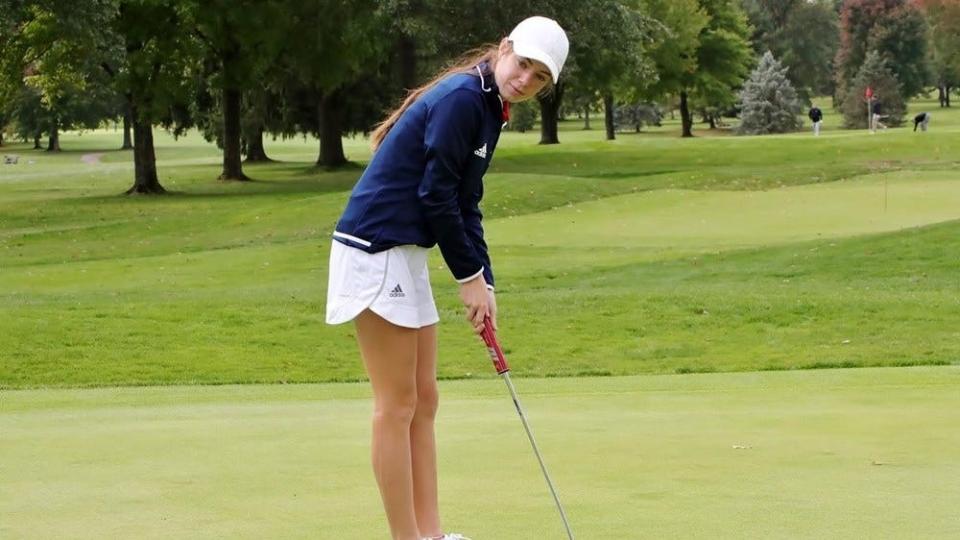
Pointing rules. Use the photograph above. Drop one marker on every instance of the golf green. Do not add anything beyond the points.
(866, 453)
(686, 220)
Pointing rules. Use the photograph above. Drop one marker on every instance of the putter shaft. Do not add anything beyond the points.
(503, 368)
(536, 450)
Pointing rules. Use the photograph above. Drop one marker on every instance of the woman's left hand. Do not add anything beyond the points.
(476, 298)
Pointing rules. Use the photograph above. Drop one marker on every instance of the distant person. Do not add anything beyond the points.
(877, 117)
(423, 188)
(922, 120)
(816, 116)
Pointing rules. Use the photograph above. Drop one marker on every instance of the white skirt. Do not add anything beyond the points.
(394, 284)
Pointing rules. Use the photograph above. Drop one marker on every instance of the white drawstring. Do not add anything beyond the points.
(483, 83)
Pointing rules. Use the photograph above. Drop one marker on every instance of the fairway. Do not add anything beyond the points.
(868, 453)
(648, 254)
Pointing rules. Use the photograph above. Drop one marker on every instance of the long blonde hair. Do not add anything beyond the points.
(489, 53)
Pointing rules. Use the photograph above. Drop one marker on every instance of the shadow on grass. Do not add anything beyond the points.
(284, 178)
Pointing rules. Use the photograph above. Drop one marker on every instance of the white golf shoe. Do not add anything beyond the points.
(450, 536)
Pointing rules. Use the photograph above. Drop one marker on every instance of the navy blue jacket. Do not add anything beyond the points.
(425, 181)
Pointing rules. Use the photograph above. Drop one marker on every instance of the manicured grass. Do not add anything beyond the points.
(868, 453)
(644, 255)
(648, 254)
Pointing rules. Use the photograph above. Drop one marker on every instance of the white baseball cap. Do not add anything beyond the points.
(540, 38)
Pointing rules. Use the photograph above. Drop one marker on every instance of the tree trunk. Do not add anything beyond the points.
(941, 96)
(144, 159)
(36, 141)
(54, 144)
(586, 118)
(549, 109)
(685, 119)
(946, 94)
(331, 132)
(712, 120)
(127, 126)
(548, 122)
(407, 53)
(255, 150)
(232, 158)
(608, 116)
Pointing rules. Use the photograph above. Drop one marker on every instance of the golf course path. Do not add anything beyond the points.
(91, 159)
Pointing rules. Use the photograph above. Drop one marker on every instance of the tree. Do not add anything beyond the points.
(143, 48)
(943, 17)
(414, 32)
(895, 29)
(24, 109)
(12, 51)
(262, 111)
(804, 35)
(136, 49)
(344, 44)
(71, 89)
(724, 59)
(674, 52)
(608, 40)
(523, 116)
(813, 38)
(704, 57)
(241, 39)
(584, 101)
(612, 58)
(886, 90)
(769, 102)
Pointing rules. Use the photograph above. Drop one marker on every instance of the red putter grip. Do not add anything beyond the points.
(496, 354)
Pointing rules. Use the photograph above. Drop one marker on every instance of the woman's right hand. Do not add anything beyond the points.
(476, 299)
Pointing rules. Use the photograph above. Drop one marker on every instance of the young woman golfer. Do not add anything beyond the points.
(423, 187)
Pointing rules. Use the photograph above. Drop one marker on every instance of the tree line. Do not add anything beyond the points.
(240, 70)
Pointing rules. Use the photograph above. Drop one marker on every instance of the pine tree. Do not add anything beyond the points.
(877, 75)
(769, 102)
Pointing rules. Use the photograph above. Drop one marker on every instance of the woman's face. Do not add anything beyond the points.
(519, 78)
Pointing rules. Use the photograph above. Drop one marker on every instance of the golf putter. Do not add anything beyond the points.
(503, 369)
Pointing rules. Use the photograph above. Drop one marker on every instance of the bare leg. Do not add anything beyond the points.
(423, 443)
(390, 356)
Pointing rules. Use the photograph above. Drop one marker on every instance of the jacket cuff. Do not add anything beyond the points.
(471, 278)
